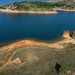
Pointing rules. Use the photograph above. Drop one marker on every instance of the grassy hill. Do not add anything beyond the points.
(39, 6)
(37, 60)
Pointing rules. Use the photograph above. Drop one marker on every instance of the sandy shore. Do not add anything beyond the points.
(67, 10)
(29, 12)
(59, 44)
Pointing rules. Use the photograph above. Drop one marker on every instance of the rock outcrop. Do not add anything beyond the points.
(73, 35)
(66, 34)
(70, 73)
(16, 61)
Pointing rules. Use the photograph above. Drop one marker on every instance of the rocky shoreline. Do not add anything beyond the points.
(67, 10)
(66, 41)
(36, 12)
(28, 12)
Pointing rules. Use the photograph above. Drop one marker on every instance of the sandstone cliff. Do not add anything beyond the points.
(66, 34)
(73, 36)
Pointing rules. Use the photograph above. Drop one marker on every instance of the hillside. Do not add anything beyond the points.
(30, 57)
(35, 58)
(39, 6)
(34, 6)
(38, 60)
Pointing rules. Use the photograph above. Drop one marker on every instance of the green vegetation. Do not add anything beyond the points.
(40, 6)
(33, 6)
(65, 4)
(40, 60)
(1, 73)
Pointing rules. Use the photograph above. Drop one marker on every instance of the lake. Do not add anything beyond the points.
(42, 27)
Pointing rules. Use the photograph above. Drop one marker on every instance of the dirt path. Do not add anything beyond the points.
(9, 60)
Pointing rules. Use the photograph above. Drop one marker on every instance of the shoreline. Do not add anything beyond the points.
(66, 10)
(66, 42)
(28, 12)
(55, 11)
(59, 44)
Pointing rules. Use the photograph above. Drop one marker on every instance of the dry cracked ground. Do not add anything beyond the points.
(36, 60)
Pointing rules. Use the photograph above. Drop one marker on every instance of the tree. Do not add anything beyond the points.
(68, 0)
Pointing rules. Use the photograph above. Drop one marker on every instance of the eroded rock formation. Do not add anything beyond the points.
(66, 34)
(17, 61)
(73, 36)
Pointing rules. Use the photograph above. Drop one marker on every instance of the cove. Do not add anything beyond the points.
(37, 26)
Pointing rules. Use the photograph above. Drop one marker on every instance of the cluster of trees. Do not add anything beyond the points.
(24, 5)
(33, 5)
(67, 4)
(68, 0)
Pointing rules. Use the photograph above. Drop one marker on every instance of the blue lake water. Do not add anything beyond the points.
(44, 27)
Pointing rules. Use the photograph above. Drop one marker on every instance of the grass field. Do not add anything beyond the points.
(39, 60)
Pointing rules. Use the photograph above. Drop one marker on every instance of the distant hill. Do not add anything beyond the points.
(55, 0)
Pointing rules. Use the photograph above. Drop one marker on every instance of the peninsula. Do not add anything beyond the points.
(38, 7)
(28, 7)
